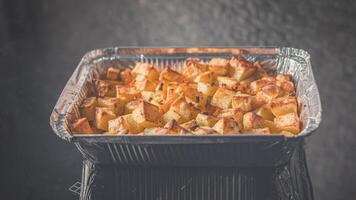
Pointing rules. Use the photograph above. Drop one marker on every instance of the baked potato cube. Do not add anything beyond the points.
(147, 115)
(126, 77)
(241, 69)
(206, 120)
(102, 116)
(113, 73)
(145, 85)
(105, 88)
(169, 75)
(206, 89)
(172, 115)
(283, 77)
(190, 125)
(219, 66)
(228, 82)
(197, 99)
(116, 105)
(222, 98)
(128, 93)
(227, 126)
(288, 122)
(81, 126)
(192, 68)
(283, 105)
(268, 93)
(243, 102)
(265, 113)
(172, 127)
(252, 121)
(185, 110)
(131, 106)
(146, 70)
(87, 108)
(205, 131)
(270, 124)
(213, 110)
(205, 77)
(264, 131)
(147, 95)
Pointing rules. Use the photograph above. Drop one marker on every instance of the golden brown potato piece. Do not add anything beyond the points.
(172, 128)
(283, 77)
(222, 98)
(219, 66)
(169, 75)
(287, 134)
(258, 84)
(116, 105)
(146, 70)
(205, 77)
(241, 69)
(283, 105)
(192, 68)
(243, 102)
(172, 115)
(270, 124)
(185, 110)
(196, 98)
(233, 113)
(113, 73)
(147, 115)
(265, 112)
(204, 119)
(252, 121)
(228, 82)
(87, 108)
(81, 126)
(102, 116)
(226, 125)
(286, 86)
(288, 122)
(131, 106)
(268, 92)
(206, 89)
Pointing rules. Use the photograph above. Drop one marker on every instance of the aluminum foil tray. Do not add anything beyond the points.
(237, 150)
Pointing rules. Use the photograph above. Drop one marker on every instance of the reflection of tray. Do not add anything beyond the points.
(236, 150)
(289, 181)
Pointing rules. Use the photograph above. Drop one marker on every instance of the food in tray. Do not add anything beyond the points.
(221, 96)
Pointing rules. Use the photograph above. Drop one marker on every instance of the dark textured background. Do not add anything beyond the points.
(42, 41)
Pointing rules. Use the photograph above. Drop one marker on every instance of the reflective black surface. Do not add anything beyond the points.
(42, 41)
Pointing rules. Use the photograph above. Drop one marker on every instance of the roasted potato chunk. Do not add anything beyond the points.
(105, 88)
(81, 126)
(243, 102)
(122, 123)
(283, 105)
(265, 113)
(131, 106)
(268, 92)
(172, 115)
(127, 93)
(186, 111)
(102, 116)
(205, 131)
(219, 66)
(227, 82)
(222, 98)
(146, 70)
(87, 108)
(264, 131)
(226, 126)
(203, 119)
(258, 84)
(126, 77)
(288, 122)
(147, 115)
(113, 73)
(190, 125)
(241, 69)
(145, 85)
(252, 121)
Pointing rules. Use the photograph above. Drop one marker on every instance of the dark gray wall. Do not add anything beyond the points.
(42, 41)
